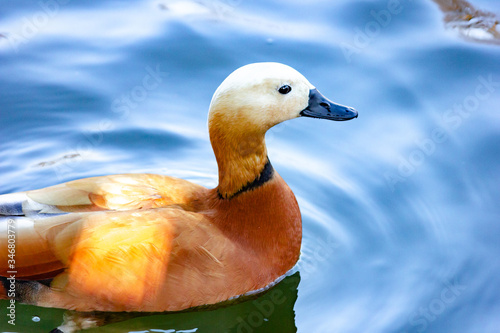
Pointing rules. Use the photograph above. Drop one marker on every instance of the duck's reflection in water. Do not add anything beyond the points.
(270, 311)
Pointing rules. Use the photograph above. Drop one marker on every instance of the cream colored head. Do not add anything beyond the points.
(257, 97)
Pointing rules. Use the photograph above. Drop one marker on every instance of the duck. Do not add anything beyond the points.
(155, 243)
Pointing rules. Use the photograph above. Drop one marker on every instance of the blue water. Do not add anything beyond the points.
(400, 206)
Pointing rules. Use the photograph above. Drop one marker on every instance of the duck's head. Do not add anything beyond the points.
(258, 96)
(250, 101)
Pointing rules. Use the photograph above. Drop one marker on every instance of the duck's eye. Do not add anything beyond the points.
(285, 89)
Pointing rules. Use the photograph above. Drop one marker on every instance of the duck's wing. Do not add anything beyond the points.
(117, 192)
(101, 260)
(113, 260)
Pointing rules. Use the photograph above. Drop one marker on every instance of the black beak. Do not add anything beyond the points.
(321, 107)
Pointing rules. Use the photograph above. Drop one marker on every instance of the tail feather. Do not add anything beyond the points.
(20, 204)
(12, 204)
(21, 290)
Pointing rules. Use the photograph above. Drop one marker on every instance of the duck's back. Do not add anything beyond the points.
(116, 192)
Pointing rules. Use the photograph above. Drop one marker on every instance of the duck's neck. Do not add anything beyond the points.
(242, 161)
